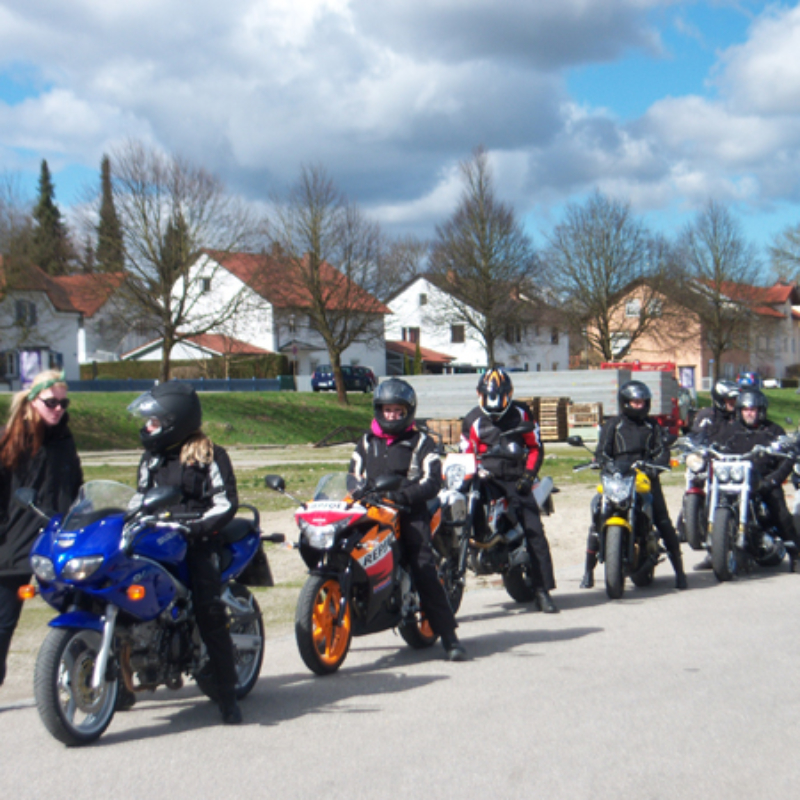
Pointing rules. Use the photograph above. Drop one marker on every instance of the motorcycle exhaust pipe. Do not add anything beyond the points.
(493, 542)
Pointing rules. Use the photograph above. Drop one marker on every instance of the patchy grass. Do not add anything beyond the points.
(99, 420)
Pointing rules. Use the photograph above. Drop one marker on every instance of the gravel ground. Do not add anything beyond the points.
(566, 531)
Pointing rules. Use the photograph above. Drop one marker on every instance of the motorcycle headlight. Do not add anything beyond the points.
(454, 507)
(616, 488)
(695, 462)
(723, 474)
(737, 474)
(454, 476)
(321, 537)
(43, 568)
(79, 569)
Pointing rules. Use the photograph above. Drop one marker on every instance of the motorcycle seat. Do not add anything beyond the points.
(236, 530)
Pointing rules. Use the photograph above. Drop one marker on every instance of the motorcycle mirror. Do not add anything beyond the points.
(275, 482)
(160, 497)
(670, 439)
(575, 441)
(788, 420)
(388, 482)
(26, 496)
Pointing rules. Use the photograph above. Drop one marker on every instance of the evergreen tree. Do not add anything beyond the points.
(51, 247)
(109, 256)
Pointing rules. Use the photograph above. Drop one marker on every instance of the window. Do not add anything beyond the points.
(205, 285)
(457, 334)
(411, 335)
(655, 307)
(554, 336)
(555, 366)
(514, 334)
(26, 313)
(292, 326)
(633, 308)
(10, 364)
(423, 299)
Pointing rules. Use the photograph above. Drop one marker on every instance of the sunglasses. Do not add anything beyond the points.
(53, 403)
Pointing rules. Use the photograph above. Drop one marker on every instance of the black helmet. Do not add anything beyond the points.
(390, 393)
(634, 390)
(752, 398)
(724, 390)
(177, 408)
(495, 391)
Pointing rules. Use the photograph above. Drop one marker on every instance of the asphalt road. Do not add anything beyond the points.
(660, 695)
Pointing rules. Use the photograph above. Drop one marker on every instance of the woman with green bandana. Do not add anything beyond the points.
(37, 451)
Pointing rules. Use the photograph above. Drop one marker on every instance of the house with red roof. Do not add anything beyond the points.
(39, 325)
(107, 325)
(770, 345)
(192, 348)
(273, 311)
(421, 315)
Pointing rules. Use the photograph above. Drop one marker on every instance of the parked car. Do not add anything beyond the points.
(369, 375)
(772, 383)
(355, 379)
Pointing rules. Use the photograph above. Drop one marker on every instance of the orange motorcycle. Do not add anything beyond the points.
(356, 583)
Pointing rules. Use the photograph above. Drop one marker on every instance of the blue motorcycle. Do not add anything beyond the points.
(117, 575)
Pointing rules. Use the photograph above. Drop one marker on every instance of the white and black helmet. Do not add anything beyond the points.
(391, 392)
(724, 390)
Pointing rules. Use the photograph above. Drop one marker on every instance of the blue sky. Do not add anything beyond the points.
(662, 103)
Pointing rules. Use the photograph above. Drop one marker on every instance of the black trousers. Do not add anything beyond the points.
(202, 559)
(775, 501)
(10, 609)
(417, 555)
(542, 573)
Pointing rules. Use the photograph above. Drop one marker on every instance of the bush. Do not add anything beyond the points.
(268, 366)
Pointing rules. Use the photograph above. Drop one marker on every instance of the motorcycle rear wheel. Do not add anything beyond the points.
(71, 710)
(453, 584)
(694, 520)
(322, 643)
(515, 583)
(723, 544)
(614, 550)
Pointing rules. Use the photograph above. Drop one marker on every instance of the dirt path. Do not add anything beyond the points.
(566, 531)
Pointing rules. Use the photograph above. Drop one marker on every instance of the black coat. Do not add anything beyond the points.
(625, 440)
(55, 472)
(741, 439)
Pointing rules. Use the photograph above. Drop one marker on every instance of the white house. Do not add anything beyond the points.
(202, 345)
(272, 313)
(417, 311)
(38, 326)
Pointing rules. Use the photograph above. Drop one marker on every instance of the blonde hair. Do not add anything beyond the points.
(25, 429)
(197, 449)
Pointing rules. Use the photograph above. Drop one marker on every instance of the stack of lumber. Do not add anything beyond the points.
(448, 429)
(583, 419)
(553, 418)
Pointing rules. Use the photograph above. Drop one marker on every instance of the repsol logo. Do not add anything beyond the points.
(375, 555)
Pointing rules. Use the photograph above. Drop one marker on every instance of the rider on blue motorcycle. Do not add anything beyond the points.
(178, 453)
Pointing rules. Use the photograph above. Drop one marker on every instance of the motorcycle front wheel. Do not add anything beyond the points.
(614, 552)
(417, 632)
(723, 543)
(452, 582)
(71, 710)
(323, 644)
(516, 584)
(694, 520)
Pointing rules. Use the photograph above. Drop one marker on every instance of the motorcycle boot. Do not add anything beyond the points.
(680, 576)
(544, 602)
(453, 648)
(229, 708)
(705, 564)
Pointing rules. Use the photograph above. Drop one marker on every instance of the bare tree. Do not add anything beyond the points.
(595, 258)
(16, 219)
(785, 253)
(723, 272)
(483, 259)
(169, 212)
(330, 251)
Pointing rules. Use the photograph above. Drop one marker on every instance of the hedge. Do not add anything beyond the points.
(268, 366)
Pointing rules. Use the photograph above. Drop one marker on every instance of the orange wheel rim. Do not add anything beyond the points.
(425, 628)
(330, 640)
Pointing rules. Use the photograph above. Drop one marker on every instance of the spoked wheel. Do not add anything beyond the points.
(723, 544)
(517, 585)
(615, 575)
(69, 707)
(323, 644)
(453, 584)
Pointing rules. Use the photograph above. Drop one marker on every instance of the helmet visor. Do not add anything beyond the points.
(146, 406)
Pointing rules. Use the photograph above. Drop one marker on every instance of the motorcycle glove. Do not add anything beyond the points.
(525, 484)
